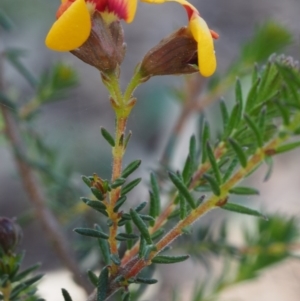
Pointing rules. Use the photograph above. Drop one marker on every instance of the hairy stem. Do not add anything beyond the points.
(215, 201)
(122, 107)
(118, 153)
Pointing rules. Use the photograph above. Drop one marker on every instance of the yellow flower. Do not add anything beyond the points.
(74, 20)
(201, 33)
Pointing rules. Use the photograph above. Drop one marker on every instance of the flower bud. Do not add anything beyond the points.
(105, 47)
(175, 54)
(10, 234)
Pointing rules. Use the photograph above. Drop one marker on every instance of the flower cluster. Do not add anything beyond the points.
(96, 23)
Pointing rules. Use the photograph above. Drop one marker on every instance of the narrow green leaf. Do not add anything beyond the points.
(142, 247)
(147, 218)
(182, 207)
(182, 189)
(3, 279)
(126, 216)
(158, 233)
(256, 131)
(191, 162)
(127, 139)
(234, 119)
(140, 207)
(193, 148)
(33, 280)
(187, 170)
(115, 259)
(117, 183)
(87, 181)
(230, 169)
(224, 113)
(120, 202)
(243, 210)
(94, 204)
(287, 147)
(239, 190)
(284, 112)
(239, 93)
(252, 96)
(121, 140)
(109, 222)
(204, 139)
(122, 222)
(130, 186)
(119, 238)
(128, 235)
(200, 200)
(238, 151)
(103, 283)
(213, 163)
(108, 137)
(129, 230)
(145, 280)
(119, 279)
(292, 81)
(93, 278)
(161, 259)
(26, 272)
(152, 209)
(148, 250)
(104, 247)
(66, 295)
(91, 232)
(270, 164)
(269, 81)
(262, 121)
(155, 206)
(97, 193)
(141, 226)
(17, 290)
(213, 184)
(130, 168)
(126, 296)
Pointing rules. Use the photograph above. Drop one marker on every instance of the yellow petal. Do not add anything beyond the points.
(131, 9)
(206, 54)
(71, 30)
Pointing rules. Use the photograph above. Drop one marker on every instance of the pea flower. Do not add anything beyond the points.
(201, 34)
(75, 20)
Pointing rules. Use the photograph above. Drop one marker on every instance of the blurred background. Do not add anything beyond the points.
(72, 127)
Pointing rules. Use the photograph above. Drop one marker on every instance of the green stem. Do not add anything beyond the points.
(133, 84)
